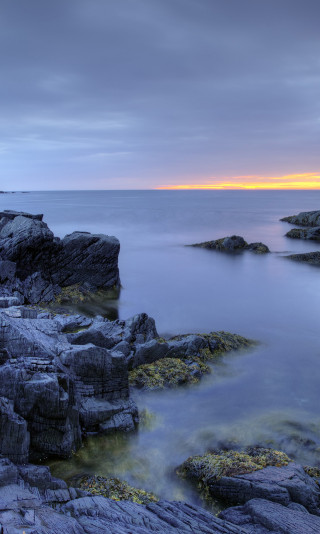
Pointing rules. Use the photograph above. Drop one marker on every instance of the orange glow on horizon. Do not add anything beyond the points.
(291, 181)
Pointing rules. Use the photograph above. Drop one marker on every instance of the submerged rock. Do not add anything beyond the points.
(35, 265)
(233, 243)
(305, 218)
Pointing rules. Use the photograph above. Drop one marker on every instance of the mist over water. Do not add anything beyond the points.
(269, 395)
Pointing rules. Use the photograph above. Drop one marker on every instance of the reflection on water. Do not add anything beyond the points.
(269, 396)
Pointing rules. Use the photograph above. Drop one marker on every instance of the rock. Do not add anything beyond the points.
(58, 389)
(35, 265)
(14, 435)
(233, 243)
(227, 244)
(305, 218)
(313, 258)
(11, 214)
(33, 501)
(115, 489)
(260, 516)
(258, 248)
(237, 477)
(166, 373)
(182, 359)
(90, 260)
(302, 233)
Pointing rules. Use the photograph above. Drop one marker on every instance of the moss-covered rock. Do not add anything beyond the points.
(115, 489)
(166, 373)
(212, 466)
(182, 359)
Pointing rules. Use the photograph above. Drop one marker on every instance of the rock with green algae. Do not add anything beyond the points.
(215, 465)
(167, 373)
(115, 489)
(236, 477)
(187, 347)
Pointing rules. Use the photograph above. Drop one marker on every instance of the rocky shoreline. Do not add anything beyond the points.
(63, 376)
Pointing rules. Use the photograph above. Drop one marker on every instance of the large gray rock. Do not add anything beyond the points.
(35, 265)
(90, 260)
(58, 389)
(305, 218)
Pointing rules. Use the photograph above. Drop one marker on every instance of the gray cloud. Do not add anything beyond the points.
(138, 93)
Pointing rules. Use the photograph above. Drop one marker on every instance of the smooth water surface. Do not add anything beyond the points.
(267, 396)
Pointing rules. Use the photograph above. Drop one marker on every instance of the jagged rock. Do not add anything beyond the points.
(34, 502)
(90, 260)
(188, 347)
(233, 243)
(35, 265)
(260, 516)
(139, 329)
(59, 390)
(14, 435)
(305, 218)
(312, 234)
(11, 214)
(313, 258)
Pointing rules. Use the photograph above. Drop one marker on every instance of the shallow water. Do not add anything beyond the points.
(269, 395)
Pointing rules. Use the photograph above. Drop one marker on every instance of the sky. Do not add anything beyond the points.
(143, 94)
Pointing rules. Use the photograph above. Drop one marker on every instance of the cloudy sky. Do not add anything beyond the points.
(126, 94)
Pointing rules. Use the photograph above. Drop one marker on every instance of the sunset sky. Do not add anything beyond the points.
(143, 94)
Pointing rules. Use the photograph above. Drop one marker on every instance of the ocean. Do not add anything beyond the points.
(267, 396)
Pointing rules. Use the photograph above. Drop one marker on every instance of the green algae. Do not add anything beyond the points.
(116, 489)
(212, 466)
(166, 373)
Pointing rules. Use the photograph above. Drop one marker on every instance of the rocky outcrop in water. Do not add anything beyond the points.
(305, 218)
(182, 359)
(312, 234)
(313, 258)
(234, 243)
(35, 265)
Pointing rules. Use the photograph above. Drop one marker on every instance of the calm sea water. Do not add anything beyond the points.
(268, 396)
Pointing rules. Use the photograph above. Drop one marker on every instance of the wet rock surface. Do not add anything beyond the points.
(234, 243)
(35, 265)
